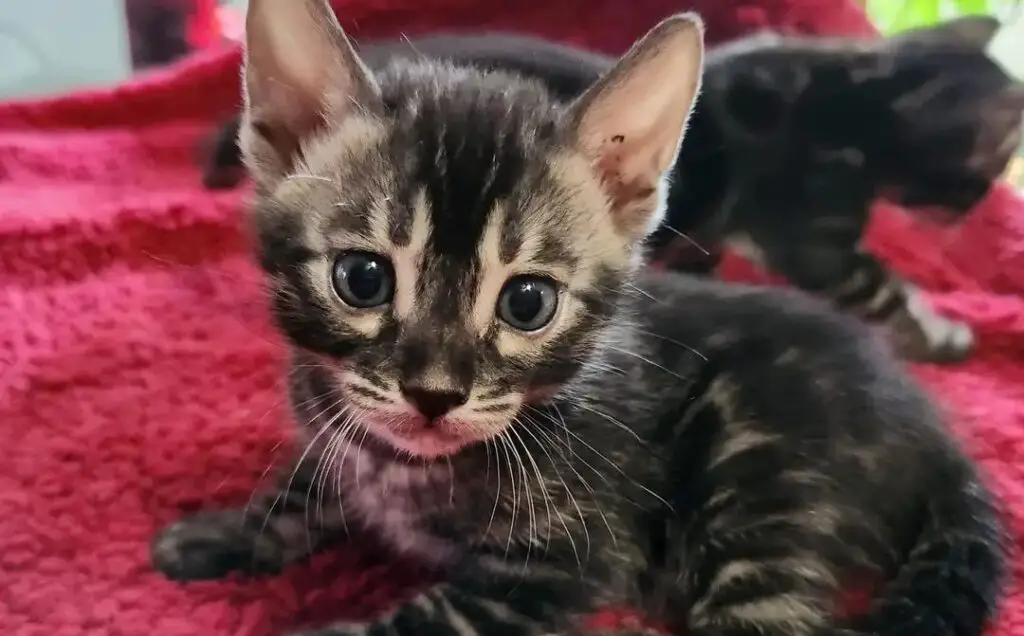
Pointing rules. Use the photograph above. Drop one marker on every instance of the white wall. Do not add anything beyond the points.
(50, 46)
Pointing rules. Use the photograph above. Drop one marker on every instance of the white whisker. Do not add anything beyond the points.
(648, 361)
(672, 341)
(568, 493)
(609, 418)
(497, 491)
(515, 493)
(586, 486)
(686, 238)
(307, 177)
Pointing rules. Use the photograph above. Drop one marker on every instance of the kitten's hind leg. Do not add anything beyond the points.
(858, 283)
(497, 598)
(760, 578)
(920, 333)
(759, 553)
(280, 526)
(917, 331)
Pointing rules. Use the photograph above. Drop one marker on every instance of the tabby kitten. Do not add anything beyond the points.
(792, 142)
(489, 383)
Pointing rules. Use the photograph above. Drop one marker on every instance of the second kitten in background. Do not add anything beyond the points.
(791, 142)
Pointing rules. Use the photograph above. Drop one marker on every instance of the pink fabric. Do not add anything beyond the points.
(139, 378)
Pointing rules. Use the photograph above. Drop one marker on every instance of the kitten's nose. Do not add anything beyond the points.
(433, 403)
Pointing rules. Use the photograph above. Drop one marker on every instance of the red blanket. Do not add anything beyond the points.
(139, 378)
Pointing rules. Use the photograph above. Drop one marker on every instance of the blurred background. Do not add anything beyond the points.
(53, 46)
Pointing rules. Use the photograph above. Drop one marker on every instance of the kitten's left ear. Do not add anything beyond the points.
(301, 74)
(631, 122)
(973, 31)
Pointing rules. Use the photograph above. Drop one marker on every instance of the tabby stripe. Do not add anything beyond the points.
(490, 617)
(743, 580)
(871, 290)
(366, 392)
(444, 611)
(770, 615)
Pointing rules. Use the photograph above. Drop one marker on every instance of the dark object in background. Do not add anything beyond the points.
(223, 168)
(157, 30)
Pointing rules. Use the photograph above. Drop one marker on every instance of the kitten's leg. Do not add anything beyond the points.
(859, 284)
(759, 586)
(281, 525)
(762, 540)
(758, 565)
(917, 331)
(920, 333)
(499, 598)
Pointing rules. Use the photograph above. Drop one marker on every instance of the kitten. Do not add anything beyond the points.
(795, 138)
(792, 141)
(494, 386)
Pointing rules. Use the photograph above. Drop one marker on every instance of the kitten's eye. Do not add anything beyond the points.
(364, 280)
(528, 303)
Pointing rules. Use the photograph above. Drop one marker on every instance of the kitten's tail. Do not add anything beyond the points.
(952, 579)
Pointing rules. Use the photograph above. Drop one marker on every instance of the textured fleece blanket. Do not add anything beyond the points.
(139, 378)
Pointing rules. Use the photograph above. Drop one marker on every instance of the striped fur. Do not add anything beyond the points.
(711, 454)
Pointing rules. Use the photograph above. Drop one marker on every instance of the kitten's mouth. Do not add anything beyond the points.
(425, 441)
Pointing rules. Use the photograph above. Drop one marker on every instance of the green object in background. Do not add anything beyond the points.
(892, 16)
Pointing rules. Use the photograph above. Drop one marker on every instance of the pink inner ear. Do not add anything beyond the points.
(285, 134)
(624, 189)
(1016, 96)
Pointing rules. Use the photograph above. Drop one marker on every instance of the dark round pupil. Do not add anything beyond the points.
(365, 279)
(525, 302)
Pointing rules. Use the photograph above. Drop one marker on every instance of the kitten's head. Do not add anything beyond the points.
(448, 245)
(956, 115)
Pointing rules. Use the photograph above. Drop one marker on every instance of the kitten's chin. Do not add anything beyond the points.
(421, 442)
(429, 445)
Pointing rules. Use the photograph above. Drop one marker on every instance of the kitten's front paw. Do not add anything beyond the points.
(211, 545)
(928, 337)
(347, 629)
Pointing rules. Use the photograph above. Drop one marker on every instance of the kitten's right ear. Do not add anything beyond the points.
(972, 31)
(300, 72)
(631, 122)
